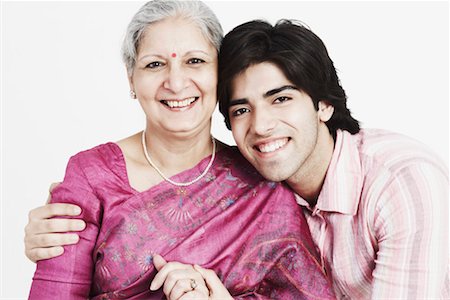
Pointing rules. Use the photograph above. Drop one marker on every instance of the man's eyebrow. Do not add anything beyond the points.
(266, 94)
(280, 89)
(237, 102)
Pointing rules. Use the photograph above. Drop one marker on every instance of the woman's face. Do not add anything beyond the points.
(175, 77)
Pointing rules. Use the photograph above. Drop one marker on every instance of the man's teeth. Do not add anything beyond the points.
(180, 103)
(272, 146)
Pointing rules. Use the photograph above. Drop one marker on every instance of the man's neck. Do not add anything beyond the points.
(309, 179)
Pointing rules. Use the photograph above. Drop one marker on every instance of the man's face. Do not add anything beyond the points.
(275, 125)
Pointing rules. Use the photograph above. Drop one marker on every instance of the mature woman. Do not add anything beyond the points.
(174, 190)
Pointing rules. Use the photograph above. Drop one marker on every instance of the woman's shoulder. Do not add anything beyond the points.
(105, 154)
(241, 173)
(232, 152)
(230, 157)
(108, 154)
(100, 165)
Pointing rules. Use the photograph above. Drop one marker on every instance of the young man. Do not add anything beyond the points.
(376, 202)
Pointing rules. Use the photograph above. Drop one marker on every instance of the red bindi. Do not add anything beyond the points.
(174, 55)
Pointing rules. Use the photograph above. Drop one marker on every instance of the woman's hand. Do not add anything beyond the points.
(43, 237)
(217, 291)
(179, 281)
(182, 281)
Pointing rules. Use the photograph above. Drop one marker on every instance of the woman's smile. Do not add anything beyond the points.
(184, 84)
(180, 105)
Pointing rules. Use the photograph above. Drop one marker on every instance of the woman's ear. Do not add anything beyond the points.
(130, 83)
(130, 79)
(325, 111)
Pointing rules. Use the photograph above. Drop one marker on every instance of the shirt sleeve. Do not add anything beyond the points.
(411, 228)
(69, 276)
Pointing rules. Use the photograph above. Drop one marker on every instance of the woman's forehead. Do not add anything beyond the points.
(175, 36)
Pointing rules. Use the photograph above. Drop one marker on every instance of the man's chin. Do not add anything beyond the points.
(272, 175)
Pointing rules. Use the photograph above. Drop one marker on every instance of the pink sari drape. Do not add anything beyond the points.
(251, 232)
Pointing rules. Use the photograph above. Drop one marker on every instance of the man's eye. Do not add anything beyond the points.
(239, 111)
(154, 64)
(281, 99)
(193, 61)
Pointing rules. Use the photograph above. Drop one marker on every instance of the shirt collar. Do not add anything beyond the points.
(342, 186)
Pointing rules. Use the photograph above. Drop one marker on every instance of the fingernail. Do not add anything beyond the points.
(58, 250)
(74, 238)
(80, 225)
(152, 286)
(198, 268)
(77, 210)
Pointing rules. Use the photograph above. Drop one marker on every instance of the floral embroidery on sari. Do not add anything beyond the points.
(250, 231)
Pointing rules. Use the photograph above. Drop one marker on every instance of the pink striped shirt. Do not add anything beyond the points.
(381, 219)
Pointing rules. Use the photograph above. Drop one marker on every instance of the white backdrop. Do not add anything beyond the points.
(64, 87)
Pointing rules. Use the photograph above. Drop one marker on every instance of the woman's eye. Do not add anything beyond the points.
(154, 64)
(193, 61)
(239, 111)
(281, 99)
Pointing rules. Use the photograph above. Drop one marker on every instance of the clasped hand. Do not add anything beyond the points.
(182, 281)
(45, 236)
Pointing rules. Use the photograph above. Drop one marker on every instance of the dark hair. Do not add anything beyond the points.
(298, 52)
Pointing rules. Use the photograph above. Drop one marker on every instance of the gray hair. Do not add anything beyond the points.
(157, 10)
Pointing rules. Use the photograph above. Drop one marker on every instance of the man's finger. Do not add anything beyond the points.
(50, 240)
(54, 209)
(44, 253)
(161, 276)
(216, 288)
(54, 226)
(210, 276)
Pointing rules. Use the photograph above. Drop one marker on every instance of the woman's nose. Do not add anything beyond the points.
(176, 79)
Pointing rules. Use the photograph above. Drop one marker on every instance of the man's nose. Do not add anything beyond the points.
(263, 122)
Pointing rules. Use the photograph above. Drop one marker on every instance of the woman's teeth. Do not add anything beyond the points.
(180, 103)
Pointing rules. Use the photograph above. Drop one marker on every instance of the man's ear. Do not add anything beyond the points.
(325, 111)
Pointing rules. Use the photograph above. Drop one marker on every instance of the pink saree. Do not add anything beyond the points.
(251, 232)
